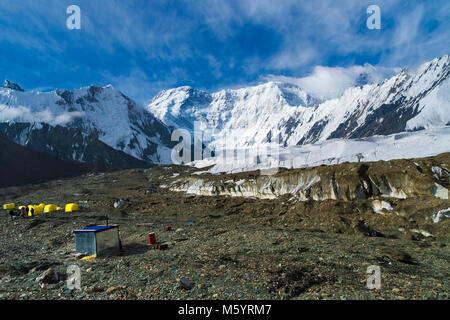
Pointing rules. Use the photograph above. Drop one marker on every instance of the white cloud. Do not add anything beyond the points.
(24, 114)
(215, 65)
(292, 59)
(330, 82)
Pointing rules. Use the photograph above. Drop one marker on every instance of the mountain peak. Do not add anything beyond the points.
(12, 85)
(293, 94)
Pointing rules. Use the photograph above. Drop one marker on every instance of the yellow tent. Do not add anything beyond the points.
(30, 211)
(72, 207)
(38, 209)
(50, 208)
(9, 206)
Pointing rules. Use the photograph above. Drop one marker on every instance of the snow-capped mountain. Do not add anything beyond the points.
(91, 124)
(286, 114)
(249, 113)
(104, 126)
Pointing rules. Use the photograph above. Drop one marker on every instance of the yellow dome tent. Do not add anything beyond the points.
(50, 208)
(38, 209)
(30, 211)
(72, 207)
(9, 206)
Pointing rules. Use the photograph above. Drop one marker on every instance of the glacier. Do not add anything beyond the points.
(407, 145)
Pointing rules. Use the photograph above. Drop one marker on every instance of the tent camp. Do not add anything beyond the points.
(71, 207)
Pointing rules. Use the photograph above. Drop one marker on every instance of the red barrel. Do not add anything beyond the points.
(152, 238)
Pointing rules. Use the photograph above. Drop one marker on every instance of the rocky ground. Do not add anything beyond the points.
(226, 247)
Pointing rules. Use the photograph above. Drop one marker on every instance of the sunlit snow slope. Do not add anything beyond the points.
(286, 114)
(91, 124)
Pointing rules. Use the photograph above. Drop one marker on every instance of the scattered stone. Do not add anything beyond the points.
(220, 231)
(80, 255)
(186, 284)
(120, 203)
(159, 246)
(147, 224)
(67, 290)
(49, 276)
(395, 254)
(362, 227)
(114, 288)
(438, 244)
(426, 234)
(33, 270)
(94, 289)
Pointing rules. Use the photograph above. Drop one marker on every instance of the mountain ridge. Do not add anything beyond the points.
(77, 120)
(104, 126)
(404, 102)
(21, 165)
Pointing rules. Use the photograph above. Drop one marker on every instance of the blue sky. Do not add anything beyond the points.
(142, 47)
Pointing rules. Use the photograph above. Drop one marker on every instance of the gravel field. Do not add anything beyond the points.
(227, 248)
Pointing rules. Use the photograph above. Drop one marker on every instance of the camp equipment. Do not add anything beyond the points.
(152, 238)
(9, 206)
(23, 211)
(98, 240)
(50, 208)
(89, 258)
(159, 246)
(71, 207)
